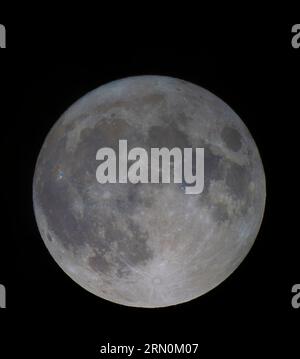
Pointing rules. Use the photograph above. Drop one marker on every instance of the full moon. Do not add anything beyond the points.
(148, 244)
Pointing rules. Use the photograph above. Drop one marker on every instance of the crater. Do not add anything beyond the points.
(99, 264)
(124, 249)
(135, 247)
(156, 280)
(231, 138)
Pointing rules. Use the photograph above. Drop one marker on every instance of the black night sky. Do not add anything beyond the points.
(255, 70)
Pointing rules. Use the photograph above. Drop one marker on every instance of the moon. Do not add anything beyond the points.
(148, 244)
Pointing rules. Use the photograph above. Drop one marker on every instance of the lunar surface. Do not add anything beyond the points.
(148, 244)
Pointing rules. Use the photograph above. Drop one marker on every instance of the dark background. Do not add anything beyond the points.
(254, 69)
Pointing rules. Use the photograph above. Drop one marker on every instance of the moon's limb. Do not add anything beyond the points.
(148, 245)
